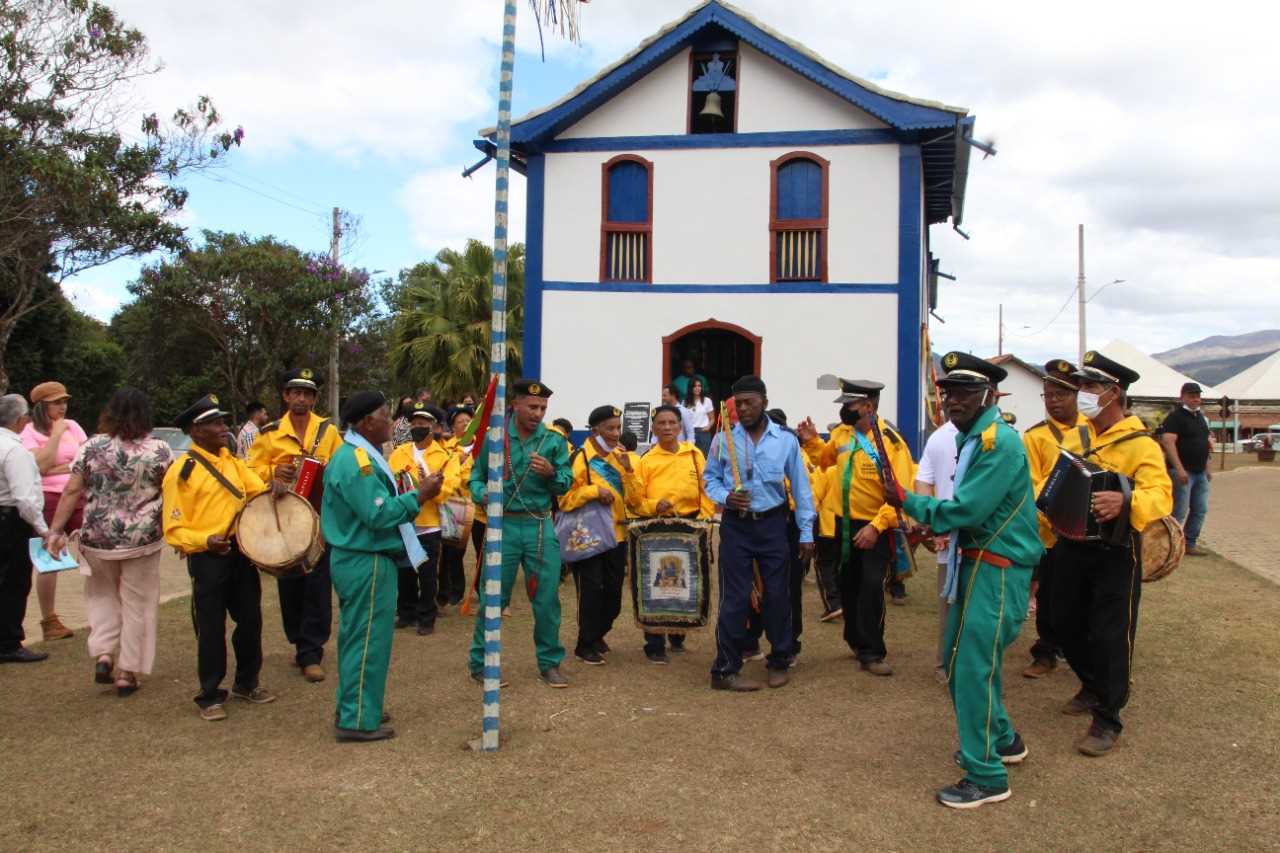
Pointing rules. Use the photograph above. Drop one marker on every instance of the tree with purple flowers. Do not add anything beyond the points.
(82, 182)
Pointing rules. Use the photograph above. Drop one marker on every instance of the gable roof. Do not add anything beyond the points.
(1260, 381)
(1155, 379)
(1009, 358)
(939, 129)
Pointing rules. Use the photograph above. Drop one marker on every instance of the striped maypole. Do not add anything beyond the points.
(496, 457)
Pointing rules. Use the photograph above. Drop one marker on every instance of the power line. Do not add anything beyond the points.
(226, 180)
(275, 187)
(1051, 322)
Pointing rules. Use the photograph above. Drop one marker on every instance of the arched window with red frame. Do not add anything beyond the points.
(798, 208)
(626, 221)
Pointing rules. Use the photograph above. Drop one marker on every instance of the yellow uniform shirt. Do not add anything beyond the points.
(278, 444)
(866, 492)
(437, 459)
(823, 453)
(582, 492)
(197, 506)
(672, 476)
(1042, 454)
(1142, 460)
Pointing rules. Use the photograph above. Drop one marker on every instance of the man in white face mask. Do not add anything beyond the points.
(1095, 604)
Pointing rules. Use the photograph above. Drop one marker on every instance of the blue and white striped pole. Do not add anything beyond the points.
(492, 594)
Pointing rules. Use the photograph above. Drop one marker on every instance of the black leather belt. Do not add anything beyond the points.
(756, 516)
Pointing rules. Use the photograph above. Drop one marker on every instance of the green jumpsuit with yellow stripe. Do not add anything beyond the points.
(360, 519)
(993, 511)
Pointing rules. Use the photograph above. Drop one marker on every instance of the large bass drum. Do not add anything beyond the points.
(1163, 545)
(281, 536)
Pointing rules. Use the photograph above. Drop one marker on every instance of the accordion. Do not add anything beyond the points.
(1067, 501)
(310, 482)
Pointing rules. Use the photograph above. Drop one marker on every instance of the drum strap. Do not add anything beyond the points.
(320, 431)
(213, 472)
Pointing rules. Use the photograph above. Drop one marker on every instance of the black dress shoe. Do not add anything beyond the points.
(359, 736)
(22, 655)
(426, 630)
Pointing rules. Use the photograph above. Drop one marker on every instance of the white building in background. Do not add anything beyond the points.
(723, 194)
(1021, 390)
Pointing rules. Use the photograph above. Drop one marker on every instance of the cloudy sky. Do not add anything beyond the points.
(1152, 127)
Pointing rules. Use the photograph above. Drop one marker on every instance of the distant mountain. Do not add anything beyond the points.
(1220, 357)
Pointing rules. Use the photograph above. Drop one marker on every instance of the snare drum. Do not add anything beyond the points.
(280, 536)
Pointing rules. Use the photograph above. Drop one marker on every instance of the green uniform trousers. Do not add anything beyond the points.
(983, 622)
(541, 580)
(366, 585)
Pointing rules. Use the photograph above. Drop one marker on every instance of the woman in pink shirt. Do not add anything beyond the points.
(55, 440)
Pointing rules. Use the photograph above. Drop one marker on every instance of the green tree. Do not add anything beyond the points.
(251, 308)
(56, 341)
(74, 193)
(442, 308)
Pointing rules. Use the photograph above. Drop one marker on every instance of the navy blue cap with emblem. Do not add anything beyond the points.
(459, 410)
(422, 411)
(1061, 372)
(530, 388)
(852, 390)
(1098, 368)
(301, 377)
(965, 369)
(206, 409)
(600, 414)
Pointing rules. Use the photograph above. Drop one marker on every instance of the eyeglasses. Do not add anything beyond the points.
(961, 392)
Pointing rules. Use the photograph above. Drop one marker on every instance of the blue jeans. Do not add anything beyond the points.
(1191, 503)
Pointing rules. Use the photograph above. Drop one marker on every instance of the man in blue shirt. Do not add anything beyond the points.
(754, 529)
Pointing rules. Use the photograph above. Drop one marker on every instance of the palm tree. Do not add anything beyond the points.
(441, 336)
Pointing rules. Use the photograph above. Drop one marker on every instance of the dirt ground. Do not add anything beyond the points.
(640, 757)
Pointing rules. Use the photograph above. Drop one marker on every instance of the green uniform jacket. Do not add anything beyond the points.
(361, 510)
(994, 506)
(536, 493)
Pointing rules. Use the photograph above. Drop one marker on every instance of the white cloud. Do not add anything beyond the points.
(444, 209)
(1150, 124)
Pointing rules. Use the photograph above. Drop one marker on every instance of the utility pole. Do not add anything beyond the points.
(1000, 332)
(335, 335)
(1080, 290)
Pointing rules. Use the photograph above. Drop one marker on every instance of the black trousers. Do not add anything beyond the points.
(1046, 646)
(743, 542)
(15, 577)
(1095, 618)
(453, 577)
(658, 642)
(826, 564)
(796, 570)
(416, 599)
(225, 585)
(862, 585)
(306, 609)
(599, 582)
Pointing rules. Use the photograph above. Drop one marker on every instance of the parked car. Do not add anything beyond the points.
(177, 440)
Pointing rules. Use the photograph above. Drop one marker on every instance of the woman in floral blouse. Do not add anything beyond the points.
(119, 471)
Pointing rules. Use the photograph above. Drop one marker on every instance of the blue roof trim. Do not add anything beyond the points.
(898, 114)
(766, 139)
(777, 289)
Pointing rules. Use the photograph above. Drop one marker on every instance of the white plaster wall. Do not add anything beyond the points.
(711, 214)
(600, 348)
(655, 104)
(1024, 396)
(773, 98)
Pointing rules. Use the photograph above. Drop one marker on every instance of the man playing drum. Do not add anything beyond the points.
(668, 481)
(417, 603)
(995, 543)
(1095, 603)
(204, 490)
(368, 526)
(306, 603)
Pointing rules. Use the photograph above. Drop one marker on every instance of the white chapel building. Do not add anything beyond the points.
(725, 195)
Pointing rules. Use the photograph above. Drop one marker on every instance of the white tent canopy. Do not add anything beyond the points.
(1155, 378)
(1259, 382)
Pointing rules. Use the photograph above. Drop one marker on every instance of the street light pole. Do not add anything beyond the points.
(1080, 290)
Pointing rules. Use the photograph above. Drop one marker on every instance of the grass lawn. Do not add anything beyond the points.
(638, 757)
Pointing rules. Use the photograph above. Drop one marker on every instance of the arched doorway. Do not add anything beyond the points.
(722, 352)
